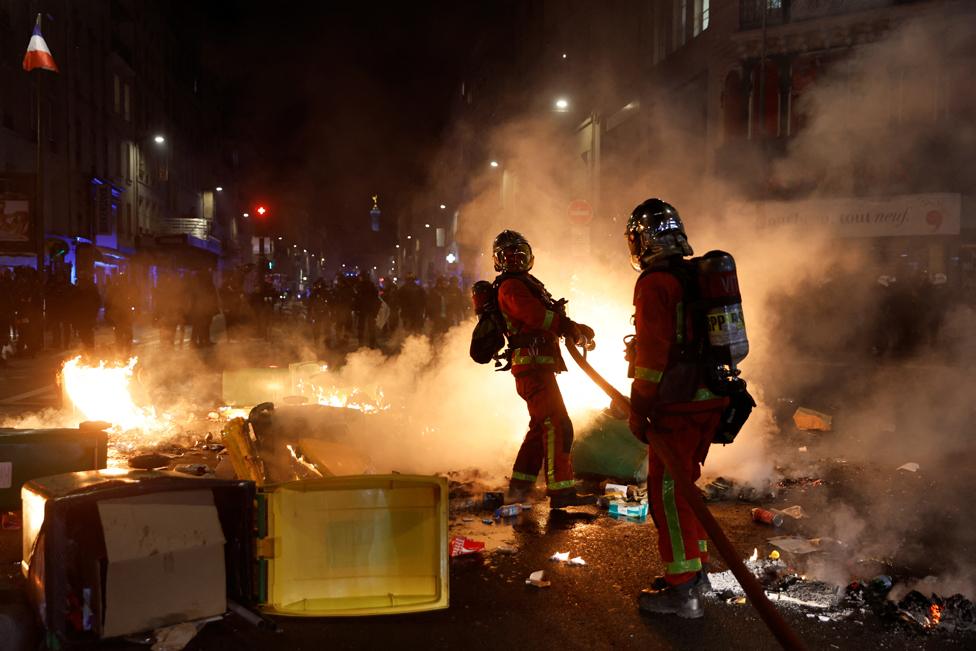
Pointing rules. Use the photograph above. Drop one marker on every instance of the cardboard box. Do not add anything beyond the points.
(113, 552)
(165, 560)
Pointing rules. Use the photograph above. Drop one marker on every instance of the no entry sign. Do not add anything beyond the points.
(580, 212)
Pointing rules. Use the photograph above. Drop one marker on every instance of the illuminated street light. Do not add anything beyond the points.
(159, 140)
(398, 246)
(409, 236)
(279, 239)
(494, 163)
(561, 104)
(564, 55)
(443, 206)
(219, 189)
(246, 215)
(426, 225)
(451, 258)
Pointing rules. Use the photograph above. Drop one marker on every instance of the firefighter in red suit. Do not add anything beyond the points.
(669, 400)
(534, 323)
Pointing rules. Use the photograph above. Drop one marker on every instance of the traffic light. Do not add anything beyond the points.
(261, 210)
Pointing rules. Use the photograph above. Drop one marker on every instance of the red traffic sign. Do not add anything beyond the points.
(580, 212)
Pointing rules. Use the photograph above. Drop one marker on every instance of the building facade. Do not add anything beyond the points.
(138, 171)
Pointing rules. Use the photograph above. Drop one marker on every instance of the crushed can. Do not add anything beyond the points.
(767, 516)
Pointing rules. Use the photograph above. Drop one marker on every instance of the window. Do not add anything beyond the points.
(701, 16)
(118, 94)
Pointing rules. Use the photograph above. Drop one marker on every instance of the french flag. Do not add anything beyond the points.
(38, 55)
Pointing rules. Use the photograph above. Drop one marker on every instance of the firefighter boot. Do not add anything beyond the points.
(701, 583)
(570, 498)
(683, 600)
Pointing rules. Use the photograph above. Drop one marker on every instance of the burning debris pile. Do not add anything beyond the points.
(787, 585)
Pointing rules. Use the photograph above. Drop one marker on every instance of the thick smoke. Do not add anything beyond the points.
(448, 413)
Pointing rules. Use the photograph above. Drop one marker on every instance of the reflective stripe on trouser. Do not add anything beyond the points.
(548, 442)
(681, 538)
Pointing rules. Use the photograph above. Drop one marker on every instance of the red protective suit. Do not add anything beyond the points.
(663, 322)
(533, 327)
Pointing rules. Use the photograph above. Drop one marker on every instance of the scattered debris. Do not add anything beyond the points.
(486, 521)
(461, 546)
(812, 420)
(802, 448)
(722, 488)
(774, 555)
(796, 512)
(198, 469)
(796, 545)
(508, 510)
(538, 579)
(577, 560)
(506, 550)
(766, 516)
(560, 557)
(628, 510)
(176, 637)
(911, 466)
(615, 490)
(491, 500)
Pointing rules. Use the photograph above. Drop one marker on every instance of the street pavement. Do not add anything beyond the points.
(491, 607)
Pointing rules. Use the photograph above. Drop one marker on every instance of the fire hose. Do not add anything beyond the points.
(687, 489)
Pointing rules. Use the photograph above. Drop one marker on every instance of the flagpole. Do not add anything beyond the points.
(39, 183)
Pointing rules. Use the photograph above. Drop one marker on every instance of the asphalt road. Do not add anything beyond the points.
(591, 607)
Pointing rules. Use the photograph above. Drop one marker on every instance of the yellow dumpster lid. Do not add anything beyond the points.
(355, 545)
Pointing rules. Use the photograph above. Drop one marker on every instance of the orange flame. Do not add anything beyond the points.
(935, 615)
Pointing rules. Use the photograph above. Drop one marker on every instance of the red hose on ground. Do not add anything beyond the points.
(754, 591)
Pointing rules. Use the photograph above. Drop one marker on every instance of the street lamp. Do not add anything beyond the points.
(443, 206)
(426, 225)
(451, 258)
(246, 215)
(561, 105)
(219, 189)
(494, 163)
(409, 236)
(159, 139)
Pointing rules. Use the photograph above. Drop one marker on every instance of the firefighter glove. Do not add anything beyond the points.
(579, 334)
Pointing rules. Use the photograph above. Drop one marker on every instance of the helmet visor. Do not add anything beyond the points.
(513, 258)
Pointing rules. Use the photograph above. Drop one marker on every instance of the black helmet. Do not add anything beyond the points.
(511, 252)
(654, 232)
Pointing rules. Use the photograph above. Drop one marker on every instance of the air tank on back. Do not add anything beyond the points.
(718, 285)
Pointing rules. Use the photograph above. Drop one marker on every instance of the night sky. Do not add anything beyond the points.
(340, 101)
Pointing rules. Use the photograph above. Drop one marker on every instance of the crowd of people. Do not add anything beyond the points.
(355, 309)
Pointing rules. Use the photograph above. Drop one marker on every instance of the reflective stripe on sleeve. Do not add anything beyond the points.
(523, 476)
(547, 322)
(647, 374)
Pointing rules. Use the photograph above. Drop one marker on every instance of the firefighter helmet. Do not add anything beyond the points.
(655, 232)
(512, 253)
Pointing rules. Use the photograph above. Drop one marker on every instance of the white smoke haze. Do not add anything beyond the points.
(447, 413)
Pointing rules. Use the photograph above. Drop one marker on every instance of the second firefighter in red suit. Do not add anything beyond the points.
(534, 323)
(670, 400)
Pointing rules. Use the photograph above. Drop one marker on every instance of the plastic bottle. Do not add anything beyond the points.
(508, 510)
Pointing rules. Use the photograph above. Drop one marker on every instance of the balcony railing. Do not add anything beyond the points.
(190, 225)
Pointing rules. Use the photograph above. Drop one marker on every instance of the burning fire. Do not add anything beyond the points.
(104, 392)
(935, 615)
